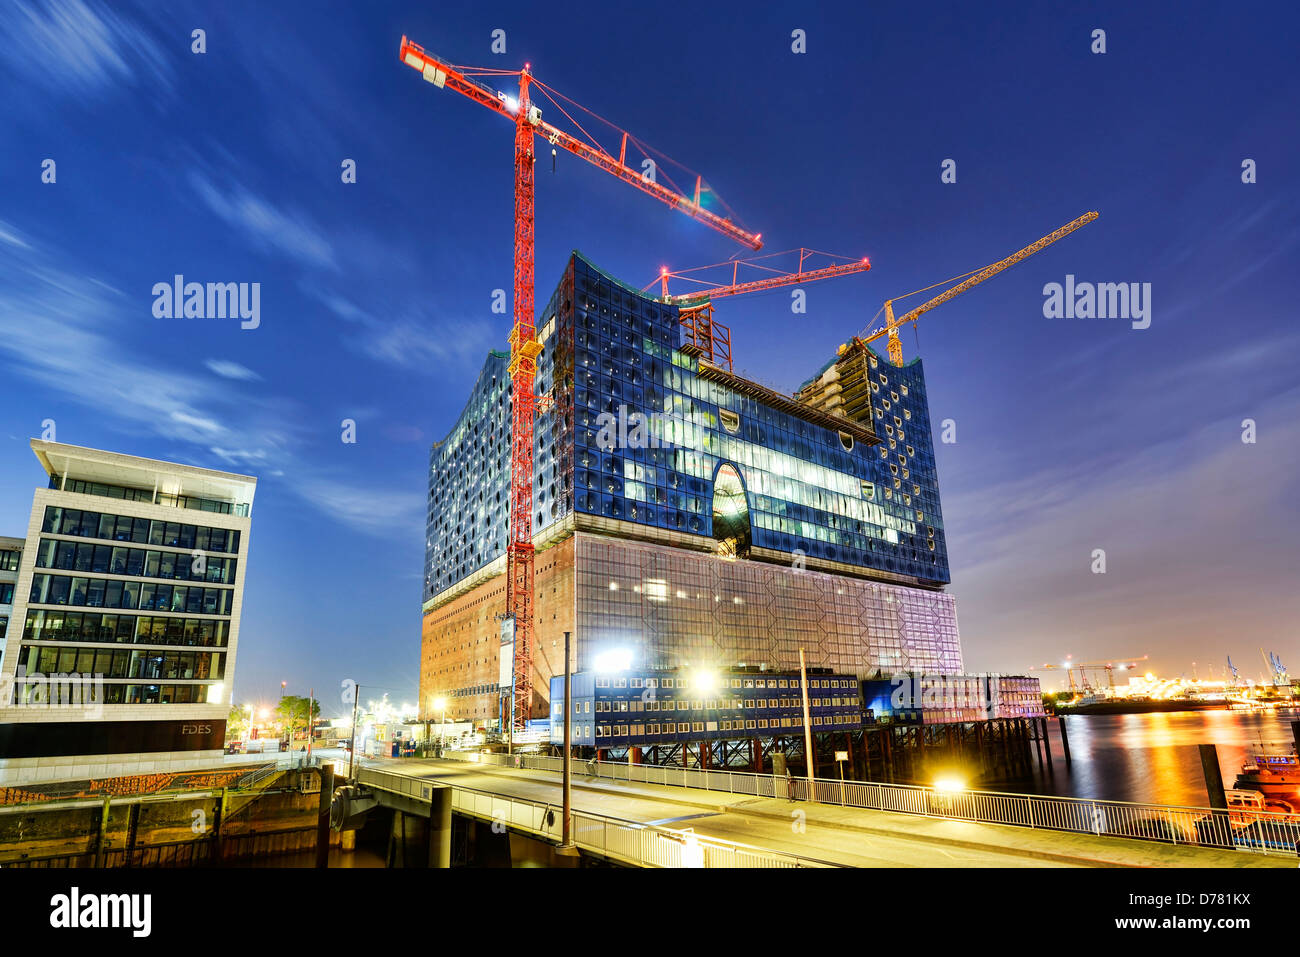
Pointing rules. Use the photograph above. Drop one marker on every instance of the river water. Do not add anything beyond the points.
(1153, 758)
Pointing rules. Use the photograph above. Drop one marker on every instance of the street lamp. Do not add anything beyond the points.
(440, 704)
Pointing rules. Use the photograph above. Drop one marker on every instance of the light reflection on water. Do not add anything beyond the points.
(1152, 758)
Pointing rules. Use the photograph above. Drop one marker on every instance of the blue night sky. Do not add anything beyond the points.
(1072, 434)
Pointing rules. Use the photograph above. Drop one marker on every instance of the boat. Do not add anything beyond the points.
(1276, 777)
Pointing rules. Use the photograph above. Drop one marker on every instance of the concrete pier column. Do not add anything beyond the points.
(1065, 738)
(101, 838)
(1218, 799)
(132, 829)
(219, 820)
(440, 828)
(323, 815)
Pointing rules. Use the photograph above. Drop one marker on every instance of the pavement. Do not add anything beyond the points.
(851, 837)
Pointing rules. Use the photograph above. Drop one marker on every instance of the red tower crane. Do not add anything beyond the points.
(526, 116)
(710, 339)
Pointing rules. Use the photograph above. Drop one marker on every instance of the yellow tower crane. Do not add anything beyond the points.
(974, 278)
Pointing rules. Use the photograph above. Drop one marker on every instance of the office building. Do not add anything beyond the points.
(125, 617)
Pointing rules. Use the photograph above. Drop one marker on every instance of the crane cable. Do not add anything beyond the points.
(941, 282)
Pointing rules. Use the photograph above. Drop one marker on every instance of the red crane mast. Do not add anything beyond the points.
(524, 347)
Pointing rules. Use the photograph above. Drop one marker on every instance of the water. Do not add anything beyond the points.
(1153, 758)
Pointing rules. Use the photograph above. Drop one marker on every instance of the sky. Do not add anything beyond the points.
(1071, 434)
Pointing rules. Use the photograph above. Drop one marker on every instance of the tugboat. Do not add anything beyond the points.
(1276, 777)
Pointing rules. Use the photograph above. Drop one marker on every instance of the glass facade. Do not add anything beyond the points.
(469, 472)
(186, 575)
(684, 469)
(611, 351)
(147, 495)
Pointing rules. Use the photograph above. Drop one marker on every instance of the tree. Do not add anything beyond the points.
(292, 712)
(237, 723)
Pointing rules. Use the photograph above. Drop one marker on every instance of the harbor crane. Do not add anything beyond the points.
(1109, 666)
(525, 113)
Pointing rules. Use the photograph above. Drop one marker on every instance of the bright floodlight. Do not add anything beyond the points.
(706, 680)
(949, 784)
(615, 659)
(440, 704)
(692, 851)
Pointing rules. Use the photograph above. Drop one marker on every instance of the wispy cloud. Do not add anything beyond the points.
(410, 339)
(58, 325)
(264, 224)
(79, 49)
(364, 507)
(1193, 530)
(232, 370)
(10, 235)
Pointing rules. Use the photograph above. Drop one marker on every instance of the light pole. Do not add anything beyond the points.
(567, 838)
(807, 728)
(352, 751)
(441, 705)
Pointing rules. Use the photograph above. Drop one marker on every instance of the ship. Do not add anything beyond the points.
(1276, 777)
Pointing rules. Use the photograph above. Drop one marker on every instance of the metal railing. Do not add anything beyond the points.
(1261, 832)
(628, 842)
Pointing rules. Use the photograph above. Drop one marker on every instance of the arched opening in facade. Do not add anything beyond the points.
(730, 513)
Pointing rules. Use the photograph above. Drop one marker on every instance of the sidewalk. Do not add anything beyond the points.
(1062, 847)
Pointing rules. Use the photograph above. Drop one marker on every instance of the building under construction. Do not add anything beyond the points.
(613, 479)
(684, 517)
